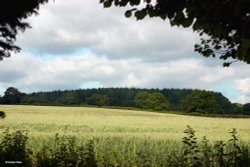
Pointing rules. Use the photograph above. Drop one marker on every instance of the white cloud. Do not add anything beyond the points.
(243, 85)
(62, 28)
(89, 45)
(73, 71)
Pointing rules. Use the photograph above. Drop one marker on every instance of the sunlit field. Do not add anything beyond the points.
(120, 137)
(44, 121)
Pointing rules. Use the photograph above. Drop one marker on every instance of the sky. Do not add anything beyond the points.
(78, 44)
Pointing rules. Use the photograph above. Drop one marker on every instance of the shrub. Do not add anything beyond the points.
(66, 152)
(13, 149)
(2, 114)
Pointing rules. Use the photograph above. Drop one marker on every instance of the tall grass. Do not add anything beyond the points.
(67, 151)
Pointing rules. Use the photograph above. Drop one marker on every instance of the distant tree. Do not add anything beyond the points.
(154, 101)
(222, 24)
(12, 15)
(2, 114)
(199, 101)
(246, 108)
(69, 98)
(97, 99)
(28, 99)
(12, 96)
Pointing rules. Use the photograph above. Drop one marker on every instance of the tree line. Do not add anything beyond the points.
(185, 100)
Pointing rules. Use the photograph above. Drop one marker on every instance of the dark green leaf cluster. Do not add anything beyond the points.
(2, 114)
(66, 152)
(223, 25)
(13, 148)
(12, 96)
(220, 154)
(155, 101)
(99, 100)
(12, 14)
(199, 101)
(246, 108)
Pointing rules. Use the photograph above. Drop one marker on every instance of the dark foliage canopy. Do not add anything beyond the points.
(12, 14)
(12, 96)
(246, 108)
(223, 25)
(186, 100)
(155, 101)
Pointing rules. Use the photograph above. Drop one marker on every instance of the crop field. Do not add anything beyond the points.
(102, 122)
(117, 133)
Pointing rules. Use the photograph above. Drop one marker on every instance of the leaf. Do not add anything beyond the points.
(107, 4)
(135, 2)
(128, 13)
(140, 14)
(187, 22)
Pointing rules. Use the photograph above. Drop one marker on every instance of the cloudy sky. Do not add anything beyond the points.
(77, 44)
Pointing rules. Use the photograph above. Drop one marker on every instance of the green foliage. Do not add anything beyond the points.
(12, 96)
(125, 97)
(191, 151)
(99, 100)
(2, 114)
(155, 101)
(222, 25)
(246, 108)
(69, 98)
(220, 154)
(199, 101)
(66, 152)
(27, 99)
(12, 22)
(13, 148)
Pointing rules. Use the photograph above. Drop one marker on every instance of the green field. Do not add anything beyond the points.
(120, 137)
(43, 121)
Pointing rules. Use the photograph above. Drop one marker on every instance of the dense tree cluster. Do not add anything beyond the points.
(186, 100)
(246, 108)
(98, 100)
(11, 96)
(154, 101)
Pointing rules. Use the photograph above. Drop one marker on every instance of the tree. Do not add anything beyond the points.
(69, 98)
(222, 25)
(12, 13)
(12, 96)
(2, 115)
(246, 108)
(97, 99)
(199, 101)
(154, 101)
(28, 99)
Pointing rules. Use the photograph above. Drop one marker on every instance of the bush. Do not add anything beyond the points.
(13, 149)
(220, 154)
(2, 114)
(66, 152)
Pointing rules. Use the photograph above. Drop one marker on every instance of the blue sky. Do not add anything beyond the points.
(78, 44)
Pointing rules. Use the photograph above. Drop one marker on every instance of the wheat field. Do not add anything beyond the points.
(123, 138)
(44, 121)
